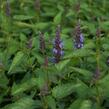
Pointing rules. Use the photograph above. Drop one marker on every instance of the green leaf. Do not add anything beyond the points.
(103, 86)
(83, 91)
(61, 65)
(87, 74)
(23, 103)
(51, 102)
(86, 104)
(76, 104)
(3, 80)
(22, 17)
(58, 18)
(81, 104)
(42, 25)
(106, 46)
(64, 90)
(16, 61)
(89, 45)
(27, 85)
(80, 53)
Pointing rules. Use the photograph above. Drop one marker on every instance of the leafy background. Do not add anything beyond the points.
(25, 83)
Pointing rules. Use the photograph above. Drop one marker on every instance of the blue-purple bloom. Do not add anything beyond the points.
(79, 39)
(57, 46)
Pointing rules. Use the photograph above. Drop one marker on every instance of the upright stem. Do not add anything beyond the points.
(98, 63)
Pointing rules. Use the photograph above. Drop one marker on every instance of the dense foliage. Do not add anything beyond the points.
(54, 54)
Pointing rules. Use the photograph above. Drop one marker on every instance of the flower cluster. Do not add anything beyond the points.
(79, 40)
(57, 46)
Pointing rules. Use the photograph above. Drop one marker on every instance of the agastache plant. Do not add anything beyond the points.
(78, 40)
(57, 46)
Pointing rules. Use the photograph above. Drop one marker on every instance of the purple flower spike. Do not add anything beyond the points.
(55, 51)
(58, 46)
(79, 39)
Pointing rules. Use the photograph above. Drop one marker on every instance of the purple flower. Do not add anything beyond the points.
(57, 46)
(79, 39)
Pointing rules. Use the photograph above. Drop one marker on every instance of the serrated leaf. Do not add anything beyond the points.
(80, 53)
(84, 72)
(61, 65)
(17, 59)
(16, 89)
(23, 103)
(64, 90)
